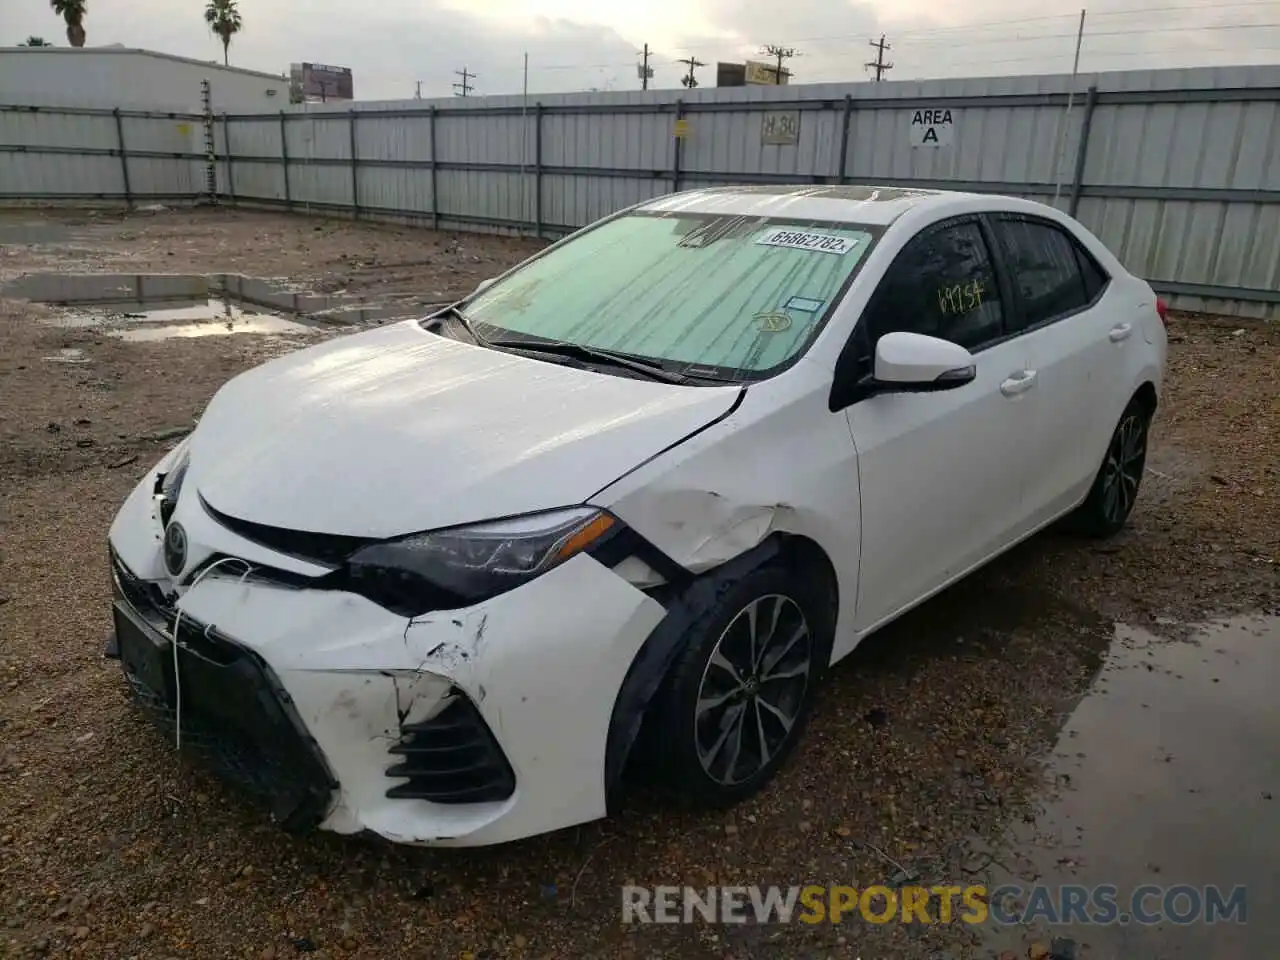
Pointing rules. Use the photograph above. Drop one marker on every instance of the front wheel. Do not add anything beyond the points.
(1115, 489)
(741, 691)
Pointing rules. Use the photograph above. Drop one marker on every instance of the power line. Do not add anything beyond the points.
(780, 54)
(1071, 17)
(928, 36)
(878, 64)
(689, 81)
(1093, 34)
(1040, 58)
(1000, 40)
(464, 88)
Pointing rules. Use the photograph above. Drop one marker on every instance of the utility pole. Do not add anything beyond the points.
(1071, 96)
(417, 93)
(689, 80)
(464, 88)
(779, 54)
(643, 68)
(878, 64)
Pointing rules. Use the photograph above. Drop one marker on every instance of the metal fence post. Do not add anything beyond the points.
(537, 169)
(844, 139)
(124, 158)
(226, 143)
(284, 160)
(675, 154)
(1082, 151)
(355, 173)
(435, 200)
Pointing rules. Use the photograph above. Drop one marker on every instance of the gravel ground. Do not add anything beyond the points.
(927, 744)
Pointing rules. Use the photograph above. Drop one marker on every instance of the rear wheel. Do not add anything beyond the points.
(741, 692)
(1115, 489)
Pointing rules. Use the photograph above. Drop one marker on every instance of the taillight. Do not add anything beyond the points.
(1162, 308)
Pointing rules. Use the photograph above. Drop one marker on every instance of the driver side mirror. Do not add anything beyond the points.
(915, 363)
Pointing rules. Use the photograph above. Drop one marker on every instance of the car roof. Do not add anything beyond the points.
(852, 203)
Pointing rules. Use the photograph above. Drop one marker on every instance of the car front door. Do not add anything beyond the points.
(1077, 346)
(940, 472)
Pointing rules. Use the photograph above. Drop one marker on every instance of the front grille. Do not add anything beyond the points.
(146, 597)
(236, 719)
(451, 758)
(324, 549)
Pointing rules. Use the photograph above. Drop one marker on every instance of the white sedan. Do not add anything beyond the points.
(433, 580)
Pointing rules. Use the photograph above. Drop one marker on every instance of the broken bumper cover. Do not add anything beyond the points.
(518, 690)
(233, 714)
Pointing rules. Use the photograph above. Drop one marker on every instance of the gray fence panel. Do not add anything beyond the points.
(261, 179)
(1179, 175)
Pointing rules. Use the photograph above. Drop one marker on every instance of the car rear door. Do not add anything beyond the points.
(941, 473)
(1077, 344)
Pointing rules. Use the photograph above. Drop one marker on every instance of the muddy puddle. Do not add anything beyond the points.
(149, 307)
(1163, 785)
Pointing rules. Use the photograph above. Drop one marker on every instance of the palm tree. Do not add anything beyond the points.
(73, 12)
(223, 19)
(36, 42)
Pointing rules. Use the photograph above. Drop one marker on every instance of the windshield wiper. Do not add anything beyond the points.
(576, 351)
(454, 311)
(556, 349)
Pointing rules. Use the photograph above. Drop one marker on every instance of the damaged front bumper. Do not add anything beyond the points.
(463, 727)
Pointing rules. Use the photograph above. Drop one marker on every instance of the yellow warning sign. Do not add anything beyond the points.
(184, 128)
(681, 128)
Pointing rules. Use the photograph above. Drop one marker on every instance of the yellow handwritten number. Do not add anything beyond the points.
(960, 297)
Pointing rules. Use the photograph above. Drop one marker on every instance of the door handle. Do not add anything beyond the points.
(1121, 332)
(1017, 383)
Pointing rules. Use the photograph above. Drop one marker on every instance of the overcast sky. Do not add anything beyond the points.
(585, 44)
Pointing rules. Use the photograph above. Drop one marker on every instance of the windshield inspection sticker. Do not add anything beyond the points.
(801, 240)
(803, 304)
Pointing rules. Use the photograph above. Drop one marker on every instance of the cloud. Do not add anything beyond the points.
(581, 44)
(389, 44)
(988, 37)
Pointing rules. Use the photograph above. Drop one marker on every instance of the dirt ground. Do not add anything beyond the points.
(926, 746)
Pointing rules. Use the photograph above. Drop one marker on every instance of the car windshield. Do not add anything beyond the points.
(738, 295)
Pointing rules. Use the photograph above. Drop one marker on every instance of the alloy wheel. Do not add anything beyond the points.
(1122, 471)
(752, 689)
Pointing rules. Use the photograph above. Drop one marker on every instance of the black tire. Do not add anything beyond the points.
(1115, 488)
(685, 736)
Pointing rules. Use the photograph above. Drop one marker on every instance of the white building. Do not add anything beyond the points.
(118, 76)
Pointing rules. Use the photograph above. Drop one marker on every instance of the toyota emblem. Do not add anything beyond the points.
(175, 548)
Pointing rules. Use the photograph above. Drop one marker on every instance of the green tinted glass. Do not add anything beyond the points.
(718, 291)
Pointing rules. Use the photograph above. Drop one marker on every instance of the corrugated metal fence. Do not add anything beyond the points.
(1178, 171)
(86, 153)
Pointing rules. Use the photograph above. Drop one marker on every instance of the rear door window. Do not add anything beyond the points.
(1051, 273)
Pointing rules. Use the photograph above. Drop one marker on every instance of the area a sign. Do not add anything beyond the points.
(932, 127)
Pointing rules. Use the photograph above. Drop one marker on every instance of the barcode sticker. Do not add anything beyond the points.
(802, 240)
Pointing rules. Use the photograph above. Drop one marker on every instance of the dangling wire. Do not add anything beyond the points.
(175, 642)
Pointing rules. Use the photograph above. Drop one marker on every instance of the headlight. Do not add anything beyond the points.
(464, 565)
(169, 481)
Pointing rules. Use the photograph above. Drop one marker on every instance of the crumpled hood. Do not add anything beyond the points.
(398, 430)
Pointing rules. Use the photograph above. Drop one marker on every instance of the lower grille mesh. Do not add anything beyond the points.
(451, 758)
(236, 719)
